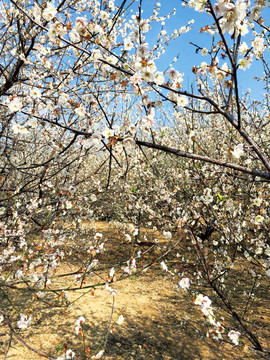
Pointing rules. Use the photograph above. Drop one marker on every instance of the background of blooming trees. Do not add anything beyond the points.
(92, 129)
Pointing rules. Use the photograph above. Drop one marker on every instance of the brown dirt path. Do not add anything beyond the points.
(160, 322)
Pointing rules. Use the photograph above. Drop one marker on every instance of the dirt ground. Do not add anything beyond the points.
(160, 321)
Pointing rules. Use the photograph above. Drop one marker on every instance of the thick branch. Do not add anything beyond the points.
(192, 156)
(228, 116)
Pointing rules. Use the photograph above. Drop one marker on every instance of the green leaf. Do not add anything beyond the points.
(220, 197)
(59, 348)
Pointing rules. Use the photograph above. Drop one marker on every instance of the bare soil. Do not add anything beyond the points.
(160, 321)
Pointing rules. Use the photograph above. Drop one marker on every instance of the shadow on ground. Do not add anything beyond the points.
(161, 322)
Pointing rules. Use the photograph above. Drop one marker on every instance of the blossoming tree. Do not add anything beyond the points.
(87, 116)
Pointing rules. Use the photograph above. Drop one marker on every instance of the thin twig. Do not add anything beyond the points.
(110, 322)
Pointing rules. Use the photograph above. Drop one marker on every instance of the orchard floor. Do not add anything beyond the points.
(160, 321)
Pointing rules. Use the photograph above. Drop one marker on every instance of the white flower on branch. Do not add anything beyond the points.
(74, 36)
(184, 283)
(238, 151)
(144, 25)
(198, 5)
(136, 79)
(243, 48)
(128, 44)
(81, 320)
(56, 29)
(80, 25)
(245, 62)
(207, 198)
(99, 354)
(80, 111)
(35, 93)
(98, 236)
(159, 78)
(234, 336)
(107, 133)
(259, 219)
(258, 46)
(96, 54)
(24, 321)
(255, 13)
(167, 235)
(173, 74)
(204, 51)
(19, 129)
(120, 320)
(142, 50)
(163, 266)
(182, 101)
(70, 354)
(49, 12)
(148, 74)
(14, 105)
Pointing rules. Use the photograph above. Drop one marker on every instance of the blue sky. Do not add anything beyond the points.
(187, 56)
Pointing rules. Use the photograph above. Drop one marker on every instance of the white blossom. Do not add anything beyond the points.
(163, 266)
(245, 62)
(234, 336)
(35, 93)
(49, 12)
(19, 129)
(204, 51)
(159, 78)
(80, 25)
(70, 354)
(15, 105)
(120, 320)
(80, 111)
(238, 151)
(24, 321)
(258, 46)
(182, 101)
(184, 283)
(243, 48)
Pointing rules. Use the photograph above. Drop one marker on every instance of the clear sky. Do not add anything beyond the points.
(187, 55)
